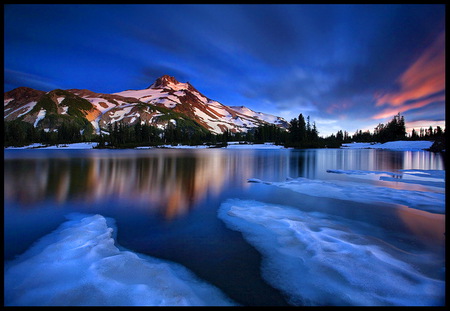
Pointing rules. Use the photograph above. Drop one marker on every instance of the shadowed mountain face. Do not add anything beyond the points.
(165, 101)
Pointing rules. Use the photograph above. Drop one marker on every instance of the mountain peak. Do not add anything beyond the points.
(164, 81)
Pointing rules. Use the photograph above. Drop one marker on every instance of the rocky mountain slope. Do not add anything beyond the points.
(165, 101)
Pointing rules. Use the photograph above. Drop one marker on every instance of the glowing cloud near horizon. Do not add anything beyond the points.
(420, 85)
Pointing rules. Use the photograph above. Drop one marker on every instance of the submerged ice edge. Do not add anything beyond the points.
(79, 265)
(316, 260)
(364, 193)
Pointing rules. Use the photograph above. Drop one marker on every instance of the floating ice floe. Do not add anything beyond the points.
(365, 193)
(315, 260)
(434, 178)
(79, 265)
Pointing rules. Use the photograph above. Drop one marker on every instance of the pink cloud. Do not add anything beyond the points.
(389, 112)
(426, 76)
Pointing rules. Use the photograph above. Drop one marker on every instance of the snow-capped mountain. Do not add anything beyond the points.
(166, 100)
(184, 98)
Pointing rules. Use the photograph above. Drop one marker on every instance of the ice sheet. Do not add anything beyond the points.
(439, 174)
(365, 193)
(80, 265)
(316, 260)
(434, 178)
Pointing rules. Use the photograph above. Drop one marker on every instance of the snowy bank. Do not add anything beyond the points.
(235, 145)
(393, 145)
(318, 260)
(89, 145)
(86, 145)
(231, 145)
(173, 147)
(79, 265)
(404, 145)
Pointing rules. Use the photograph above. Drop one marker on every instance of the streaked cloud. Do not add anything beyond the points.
(20, 78)
(420, 85)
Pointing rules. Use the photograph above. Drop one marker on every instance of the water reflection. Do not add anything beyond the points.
(167, 181)
(430, 227)
(313, 163)
(171, 182)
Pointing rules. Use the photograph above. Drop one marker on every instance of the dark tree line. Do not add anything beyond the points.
(393, 130)
(121, 135)
(301, 133)
(19, 133)
(396, 130)
(268, 133)
(427, 134)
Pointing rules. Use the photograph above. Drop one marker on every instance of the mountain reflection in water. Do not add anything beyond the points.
(171, 182)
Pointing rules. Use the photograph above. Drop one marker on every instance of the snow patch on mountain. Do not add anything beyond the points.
(40, 116)
(145, 95)
(21, 110)
(7, 101)
(101, 104)
(259, 115)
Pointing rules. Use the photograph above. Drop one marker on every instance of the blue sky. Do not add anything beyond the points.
(348, 67)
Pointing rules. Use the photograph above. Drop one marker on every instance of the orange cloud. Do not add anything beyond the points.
(389, 112)
(426, 76)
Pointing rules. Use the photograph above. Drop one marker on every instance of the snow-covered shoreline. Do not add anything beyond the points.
(85, 145)
(91, 145)
(392, 145)
(404, 145)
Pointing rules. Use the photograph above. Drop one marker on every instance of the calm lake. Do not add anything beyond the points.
(199, 208)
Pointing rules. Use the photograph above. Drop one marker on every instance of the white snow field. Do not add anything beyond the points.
(79, 265)
(432, 200)
(318, 260)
